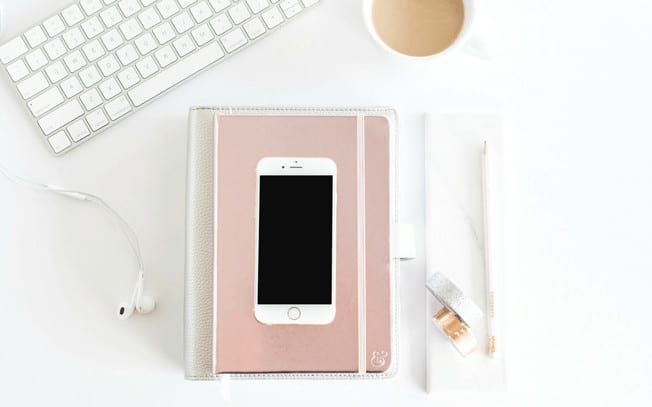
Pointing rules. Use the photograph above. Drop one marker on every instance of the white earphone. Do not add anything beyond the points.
(139, 302)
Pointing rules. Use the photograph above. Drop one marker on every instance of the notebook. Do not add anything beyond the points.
(221, 332)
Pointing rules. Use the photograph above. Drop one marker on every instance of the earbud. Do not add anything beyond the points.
(146, 305)
(125, 310)
(140, 303)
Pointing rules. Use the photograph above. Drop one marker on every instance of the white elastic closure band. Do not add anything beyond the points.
(362, 244)
(225, 389)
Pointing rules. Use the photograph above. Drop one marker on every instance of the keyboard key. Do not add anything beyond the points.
(78, 130)
(45, 101)
(185, 3)
(59, 142)
(73, 38)
(55, 48)
(165, 56)
(185, 68)
(74, 61)
(182, 22)
(233, 40)
(108, 65)
(149, 18)
(72, 15)
(221, 24)
(36, 59)
(239, 13)
(167, 8)
(33, 85)
(128, 78)
(272, 18)
(54, 25)
(112, 40)
(201, 12)
(93, 50)
(118, 107)
(258, 5)
(202, 35)
(90, 76)
(254, 28)
(145, 44)
(109, 88)
(131, 29)
(60, 117)
(18, 70)
(127, 54)
(111, 16)
(91, 99)
(92, 27)
(219, 5)
(292, 11)
(164, 33)
(147, 67)
(97, 120)
(71, 87)
(286, 4)
(90, 6)
(290, 7)
(184, 46)
(12, 50)
(56, 72)
(129, 7)
(35, 36)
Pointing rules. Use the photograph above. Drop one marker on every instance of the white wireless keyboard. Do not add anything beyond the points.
(98, 61)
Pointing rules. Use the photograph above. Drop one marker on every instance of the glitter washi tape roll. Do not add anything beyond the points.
(456, 315)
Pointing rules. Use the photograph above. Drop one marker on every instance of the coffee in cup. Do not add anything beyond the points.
(418, 28)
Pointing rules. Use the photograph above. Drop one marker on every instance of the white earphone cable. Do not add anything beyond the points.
(126, 230)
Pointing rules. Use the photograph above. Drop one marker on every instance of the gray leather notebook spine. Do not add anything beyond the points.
(198, 328)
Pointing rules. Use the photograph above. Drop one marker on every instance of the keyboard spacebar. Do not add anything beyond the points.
(175, 74)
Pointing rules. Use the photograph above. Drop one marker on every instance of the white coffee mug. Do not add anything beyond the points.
(464, 42)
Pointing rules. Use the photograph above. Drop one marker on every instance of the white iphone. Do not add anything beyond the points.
(295, 241)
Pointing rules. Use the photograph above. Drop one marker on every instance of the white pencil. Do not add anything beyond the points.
(488, 255)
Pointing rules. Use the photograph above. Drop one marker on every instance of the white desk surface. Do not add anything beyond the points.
(574, 81)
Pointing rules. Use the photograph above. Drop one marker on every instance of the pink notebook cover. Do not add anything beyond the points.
(243, 344)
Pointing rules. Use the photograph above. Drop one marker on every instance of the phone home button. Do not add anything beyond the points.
(294, 313)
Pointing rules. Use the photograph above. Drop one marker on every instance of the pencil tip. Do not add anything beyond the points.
(484, 147)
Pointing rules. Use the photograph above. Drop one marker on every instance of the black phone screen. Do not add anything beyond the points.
(295, 236)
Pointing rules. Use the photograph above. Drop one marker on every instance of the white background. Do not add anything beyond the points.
(571, 77)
